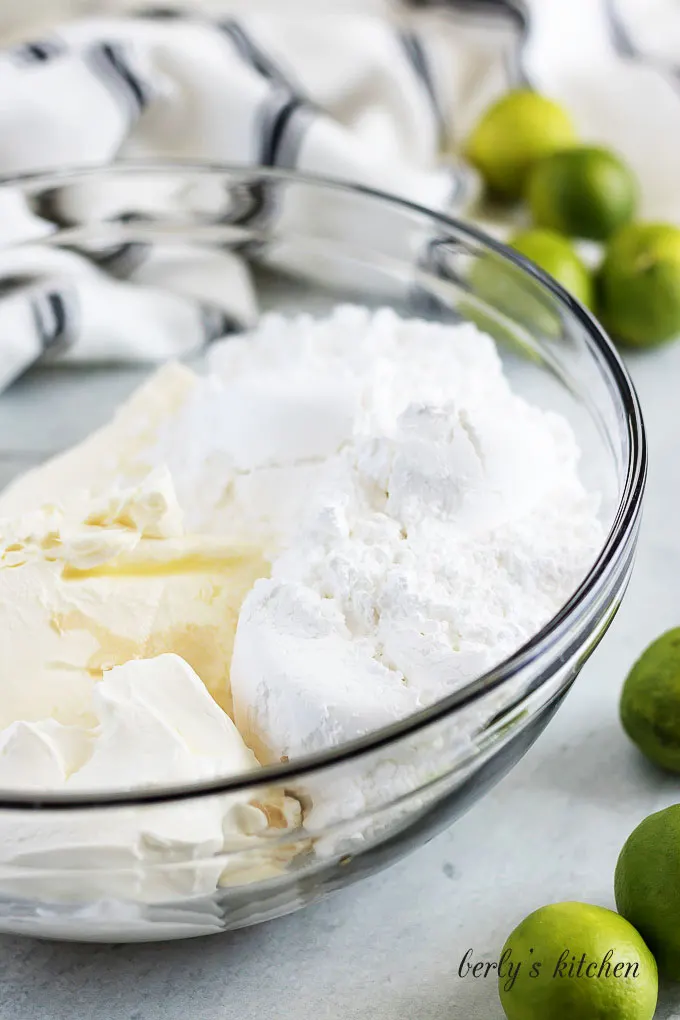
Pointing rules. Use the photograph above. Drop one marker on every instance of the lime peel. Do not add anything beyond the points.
(515, 132)
(577, 962)
(647, 886)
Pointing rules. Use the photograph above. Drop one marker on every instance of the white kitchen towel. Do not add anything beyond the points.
(372, 97)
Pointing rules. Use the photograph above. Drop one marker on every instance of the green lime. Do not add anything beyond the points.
(638, 286)
(647, 886)
(515, 308)
(557, 257)
(577, 962)
(509, 305)
(650, 702)
(514, 132)
(582, 192)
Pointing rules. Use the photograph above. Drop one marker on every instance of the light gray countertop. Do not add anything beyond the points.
(389, 949)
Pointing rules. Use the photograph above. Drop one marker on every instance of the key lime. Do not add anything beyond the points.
(520, 302)
(514, 132)
(650, 702)
(647, 886)
(638, 286)
(518, 309)
(557, 257)
(582, 192)
(577, 962)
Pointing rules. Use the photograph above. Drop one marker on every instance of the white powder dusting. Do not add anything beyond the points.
(423, 521)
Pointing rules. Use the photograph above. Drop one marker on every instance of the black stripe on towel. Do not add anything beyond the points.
(276, 128)
(160, 13)
(37, 51)
(55, 317)
(109, 62)
(626, 47)
(291, 135)
(252, 54)
(515, 9)
(437, 260)
(418, 59)
(121, 260)
(216, 323)
(280, 124)
(618, 33)
(515, 12)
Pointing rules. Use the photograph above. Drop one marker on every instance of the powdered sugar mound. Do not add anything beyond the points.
(281, 402)
(423, 520)
(340, 689)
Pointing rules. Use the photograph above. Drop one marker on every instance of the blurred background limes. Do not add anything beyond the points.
(514, 132)
(639, 284)
(525, 147)
(557, 257)
(583, 192)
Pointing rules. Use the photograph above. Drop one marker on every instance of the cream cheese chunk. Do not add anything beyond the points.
(115, 454)
(84, 593)
(155, 724)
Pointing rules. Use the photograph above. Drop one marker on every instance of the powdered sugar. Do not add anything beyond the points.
(423, 521)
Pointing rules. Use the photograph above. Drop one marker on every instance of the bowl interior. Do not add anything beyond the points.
(309, 245)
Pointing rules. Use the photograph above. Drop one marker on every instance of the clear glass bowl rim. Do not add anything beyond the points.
(625, 519)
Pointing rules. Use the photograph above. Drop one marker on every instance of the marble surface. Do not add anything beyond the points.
(390, 948)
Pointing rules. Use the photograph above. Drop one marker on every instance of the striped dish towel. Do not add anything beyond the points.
(381, 95)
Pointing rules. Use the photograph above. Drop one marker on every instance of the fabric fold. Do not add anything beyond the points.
(378, 94)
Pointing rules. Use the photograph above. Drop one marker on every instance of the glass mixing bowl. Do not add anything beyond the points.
(310, 244)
